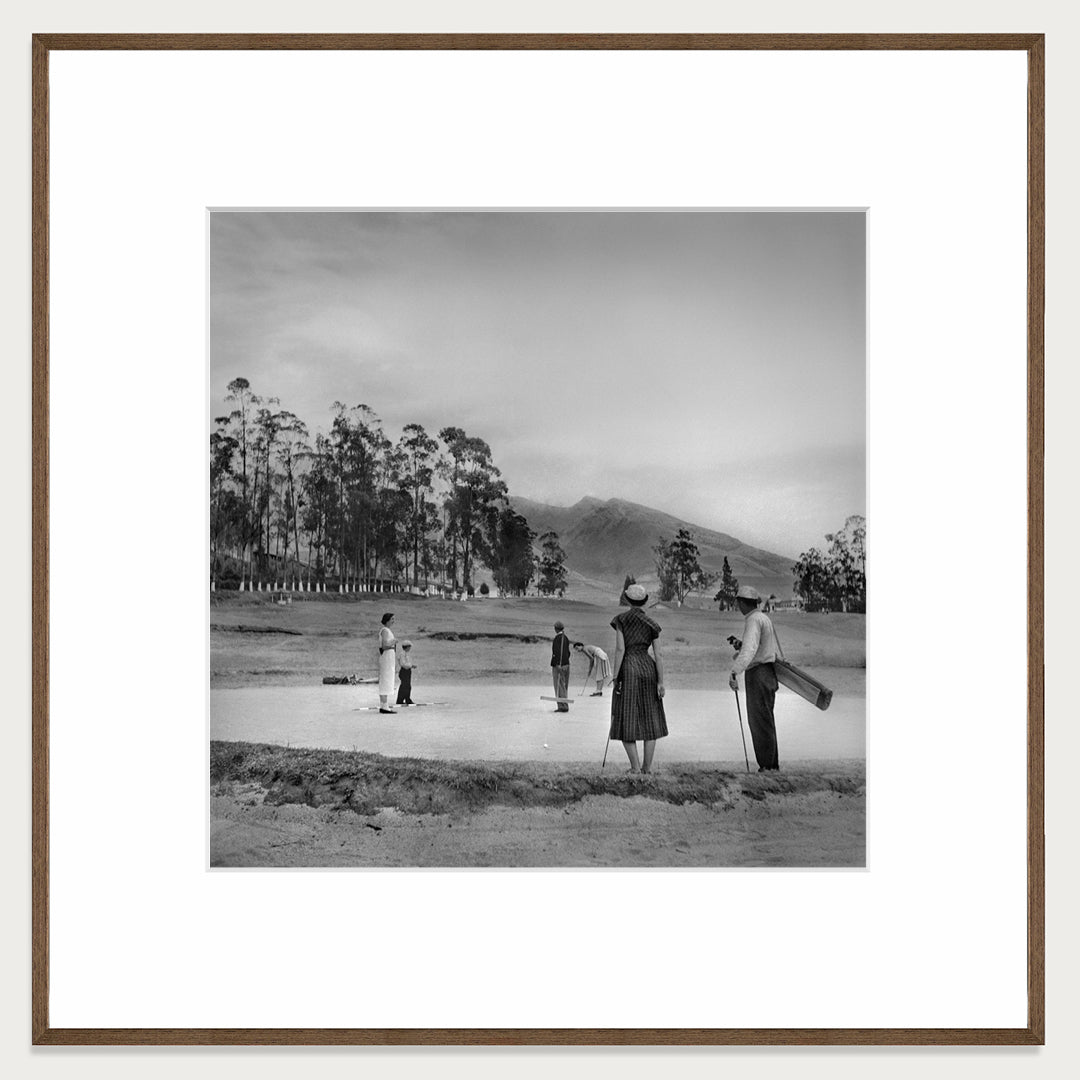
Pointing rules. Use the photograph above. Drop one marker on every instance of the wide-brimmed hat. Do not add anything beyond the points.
(559, 626)
(748, 592)
(406, 644)
(636, 594)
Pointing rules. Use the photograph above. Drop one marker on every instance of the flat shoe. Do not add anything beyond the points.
(391, 711)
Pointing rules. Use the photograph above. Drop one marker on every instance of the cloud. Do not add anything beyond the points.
(701, 359)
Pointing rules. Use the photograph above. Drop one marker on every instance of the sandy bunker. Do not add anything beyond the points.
(474, 721)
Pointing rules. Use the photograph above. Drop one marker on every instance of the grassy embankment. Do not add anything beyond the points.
(364, 783)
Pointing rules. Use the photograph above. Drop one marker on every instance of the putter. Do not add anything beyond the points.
(741, 732)
(608, 743)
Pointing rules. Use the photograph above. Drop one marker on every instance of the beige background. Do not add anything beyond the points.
(1058, 20)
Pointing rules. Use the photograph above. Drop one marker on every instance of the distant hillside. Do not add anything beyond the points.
(606, 540)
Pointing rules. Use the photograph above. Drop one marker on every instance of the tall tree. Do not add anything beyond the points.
(418, 451)
(449, 468)
(239, 391)
(292, 450)
(729, 586)
(475, 498)
(357, 439)
(665, 571)
(678, 567)
(389, 513)
(629, 580)
(267, 429)
(317, 506)
(553, 578)
(226, 512)
(508, 553)
(813, 582)
(847, 564)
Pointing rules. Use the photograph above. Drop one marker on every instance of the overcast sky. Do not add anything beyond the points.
(708, 364)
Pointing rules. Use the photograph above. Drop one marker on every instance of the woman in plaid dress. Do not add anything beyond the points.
(637, 707)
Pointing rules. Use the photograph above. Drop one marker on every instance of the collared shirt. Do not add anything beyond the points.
(758, 643)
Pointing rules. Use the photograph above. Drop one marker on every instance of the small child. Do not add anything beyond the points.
(404, 694)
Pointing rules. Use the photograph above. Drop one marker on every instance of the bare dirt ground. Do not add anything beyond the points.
(276, 807)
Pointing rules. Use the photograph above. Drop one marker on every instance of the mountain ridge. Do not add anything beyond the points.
(606, 539)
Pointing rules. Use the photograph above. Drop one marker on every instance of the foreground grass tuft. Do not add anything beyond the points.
(365, 783)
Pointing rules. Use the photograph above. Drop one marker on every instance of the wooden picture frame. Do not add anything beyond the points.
(43, 1033)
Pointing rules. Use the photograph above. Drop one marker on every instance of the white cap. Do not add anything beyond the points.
(748, 592)
(637, 593)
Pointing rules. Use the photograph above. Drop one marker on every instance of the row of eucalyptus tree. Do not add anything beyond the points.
(353, 509)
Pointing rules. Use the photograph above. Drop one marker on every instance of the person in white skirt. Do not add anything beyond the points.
(598, 662)
(387, 665)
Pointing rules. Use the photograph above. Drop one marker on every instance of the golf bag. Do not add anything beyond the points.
(806, 686)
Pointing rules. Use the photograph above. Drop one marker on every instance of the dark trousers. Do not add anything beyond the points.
(404, 694)
(761, 687)
(560, 678)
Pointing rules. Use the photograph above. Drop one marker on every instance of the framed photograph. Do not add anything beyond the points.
(485, 485)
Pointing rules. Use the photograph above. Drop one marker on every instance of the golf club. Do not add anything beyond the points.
(741, 732)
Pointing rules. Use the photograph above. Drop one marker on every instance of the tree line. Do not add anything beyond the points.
(835, 579)
(830, 580)
(354, 507)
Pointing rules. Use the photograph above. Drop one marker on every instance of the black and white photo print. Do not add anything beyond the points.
(537, 538)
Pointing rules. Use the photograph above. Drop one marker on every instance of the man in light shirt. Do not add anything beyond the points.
(756, 657)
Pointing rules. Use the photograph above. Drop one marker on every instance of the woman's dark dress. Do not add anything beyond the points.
(636, 710)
